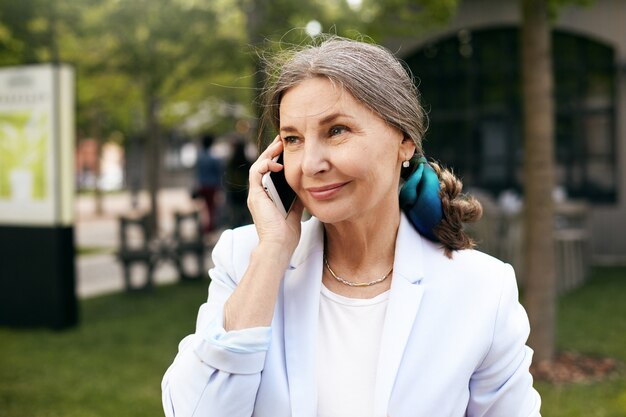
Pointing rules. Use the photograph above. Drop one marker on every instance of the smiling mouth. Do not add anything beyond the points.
(326, 192)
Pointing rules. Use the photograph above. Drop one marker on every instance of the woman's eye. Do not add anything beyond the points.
(290, 139)
(337, 130)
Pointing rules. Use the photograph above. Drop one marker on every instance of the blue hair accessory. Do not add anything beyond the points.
(419, 199)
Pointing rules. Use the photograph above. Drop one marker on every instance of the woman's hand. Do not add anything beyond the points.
(252, 302)
(272, 228)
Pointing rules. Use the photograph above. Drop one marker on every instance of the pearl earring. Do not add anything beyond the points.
(405, 164)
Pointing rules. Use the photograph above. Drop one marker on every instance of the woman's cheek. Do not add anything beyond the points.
(291, 176)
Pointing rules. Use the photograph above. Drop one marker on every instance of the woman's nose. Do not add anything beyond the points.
(315, 158)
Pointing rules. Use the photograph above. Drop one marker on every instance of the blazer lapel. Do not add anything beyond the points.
(404, 301)
(301, 286)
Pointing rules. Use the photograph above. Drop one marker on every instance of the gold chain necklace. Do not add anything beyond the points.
(352, 283)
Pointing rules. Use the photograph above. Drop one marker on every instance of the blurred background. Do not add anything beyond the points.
(164, 117)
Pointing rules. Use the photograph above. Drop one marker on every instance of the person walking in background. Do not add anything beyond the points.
(209, 173)
(378, 305)
(236, 185)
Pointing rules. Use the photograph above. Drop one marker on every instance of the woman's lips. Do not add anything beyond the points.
(325, 192)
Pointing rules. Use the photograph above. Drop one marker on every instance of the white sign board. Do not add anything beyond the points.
(37, 145)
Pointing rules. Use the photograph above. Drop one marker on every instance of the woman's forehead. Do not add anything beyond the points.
(316, 98)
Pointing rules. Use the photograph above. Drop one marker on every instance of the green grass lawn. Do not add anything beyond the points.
(592, 320)
(112, 364)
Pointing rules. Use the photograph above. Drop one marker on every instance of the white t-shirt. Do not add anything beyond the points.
(348, 345)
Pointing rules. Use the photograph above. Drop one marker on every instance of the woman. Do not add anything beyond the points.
(376, 306)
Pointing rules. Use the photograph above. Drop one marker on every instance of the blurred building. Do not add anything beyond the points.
(100, 165)
(178, 158)
(469, 77)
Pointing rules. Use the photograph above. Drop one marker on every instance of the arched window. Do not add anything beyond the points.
(471, 88)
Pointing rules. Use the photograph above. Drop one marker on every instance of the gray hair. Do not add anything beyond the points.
(370, 73)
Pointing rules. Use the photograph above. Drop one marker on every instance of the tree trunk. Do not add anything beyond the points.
(153, 163)
(52, 33)
(538, 107)
(97, 134)
(255, 16)
(97, 191)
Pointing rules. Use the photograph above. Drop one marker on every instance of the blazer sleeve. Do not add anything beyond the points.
(502, 385)
(216, 373)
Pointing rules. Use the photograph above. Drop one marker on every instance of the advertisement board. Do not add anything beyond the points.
(37, 145)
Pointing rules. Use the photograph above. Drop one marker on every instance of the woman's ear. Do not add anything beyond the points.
(407, 149)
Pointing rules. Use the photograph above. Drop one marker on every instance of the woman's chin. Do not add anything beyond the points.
(328, 213)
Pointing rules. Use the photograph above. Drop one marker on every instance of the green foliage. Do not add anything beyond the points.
(23, 32)
(189, 55)
(106, 99)
(389, 18)
(555, 6)
(152, 50)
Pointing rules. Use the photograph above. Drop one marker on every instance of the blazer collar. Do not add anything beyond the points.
(302, 285)
(404, 300)
(408, 258)
(311, 242)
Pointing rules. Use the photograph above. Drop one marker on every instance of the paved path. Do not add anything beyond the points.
(100, 272)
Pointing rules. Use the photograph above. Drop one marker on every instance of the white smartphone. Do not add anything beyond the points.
(278, 190)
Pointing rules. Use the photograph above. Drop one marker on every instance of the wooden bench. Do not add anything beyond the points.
(188, 242)
(137, 249)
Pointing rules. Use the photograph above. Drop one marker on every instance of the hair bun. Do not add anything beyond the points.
(457, 209)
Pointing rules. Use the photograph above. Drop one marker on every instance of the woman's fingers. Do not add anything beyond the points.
(273, 149)
(265, 163)
(258, 201)
(270, 224)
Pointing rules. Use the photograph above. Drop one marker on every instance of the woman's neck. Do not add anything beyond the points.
(363, 245)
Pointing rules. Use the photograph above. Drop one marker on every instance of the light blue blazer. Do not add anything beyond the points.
(453, 342)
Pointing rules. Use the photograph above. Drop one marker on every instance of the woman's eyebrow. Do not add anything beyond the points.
(332, 117)
(326, 120)
(288, 129)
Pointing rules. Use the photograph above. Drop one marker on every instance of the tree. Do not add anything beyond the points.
(103, 97)
(538, 123)
(160, 45)
(24, 30)
(138, 63)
